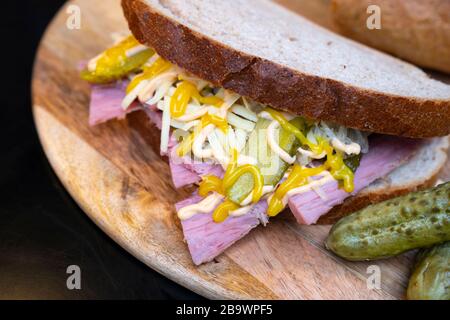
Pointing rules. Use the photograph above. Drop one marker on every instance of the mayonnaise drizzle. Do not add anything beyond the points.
(248, 200)
(352, 148)
(241, 211)
(197, 146)
(274, 125)
(207, 205)
(327, 177)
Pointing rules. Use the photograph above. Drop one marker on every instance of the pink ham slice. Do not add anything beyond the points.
(181, 176)
(184, 174)
(154, 115)
(186, 171)
(106, 103)
(207, 239)
(386, 153)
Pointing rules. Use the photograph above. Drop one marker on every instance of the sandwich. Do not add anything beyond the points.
(264, 112)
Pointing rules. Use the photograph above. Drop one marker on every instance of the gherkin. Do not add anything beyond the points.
(386, 229)
(430, 279)
(114, 64)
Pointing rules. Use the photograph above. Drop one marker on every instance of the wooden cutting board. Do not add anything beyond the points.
(125, 188)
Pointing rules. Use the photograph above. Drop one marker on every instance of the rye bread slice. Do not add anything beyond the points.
(263, 51)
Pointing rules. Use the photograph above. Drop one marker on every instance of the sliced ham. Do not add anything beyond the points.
(154, 115)
(106, 103)
(207, 239)
(186, 171)
(181, 176)
(386, 153)
(204, 168)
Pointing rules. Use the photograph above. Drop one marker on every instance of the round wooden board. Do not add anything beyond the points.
(125, 188)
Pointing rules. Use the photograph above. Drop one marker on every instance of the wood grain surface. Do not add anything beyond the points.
(125, 188)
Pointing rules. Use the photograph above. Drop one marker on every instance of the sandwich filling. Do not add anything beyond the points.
(262, 154)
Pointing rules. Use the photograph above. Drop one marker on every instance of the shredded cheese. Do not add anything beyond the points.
(193, 115)
(240, 123)
(161, 91)
(218, 151)
(148, 91)
(165, 127)
(131, 97)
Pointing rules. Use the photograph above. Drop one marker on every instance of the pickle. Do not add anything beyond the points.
(430, 279)
(113, 64)
(417, 220)
(353, 162)
(271, 165)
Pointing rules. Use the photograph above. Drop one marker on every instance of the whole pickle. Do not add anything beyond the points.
(386, 229)
(430, 279)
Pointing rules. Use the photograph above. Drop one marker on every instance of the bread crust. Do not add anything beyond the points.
(284, 88)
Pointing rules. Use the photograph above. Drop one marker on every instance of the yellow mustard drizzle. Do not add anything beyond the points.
(335, 161)
(299, 177)
(184, 93)
(286, 125)
(113, 63)
(258, 180)
(210, 184)
(219, 122)
(232, 174)
(338, 169)
(158, 67)
(223, 211)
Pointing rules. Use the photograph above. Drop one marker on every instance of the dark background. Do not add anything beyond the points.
(42, 230)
